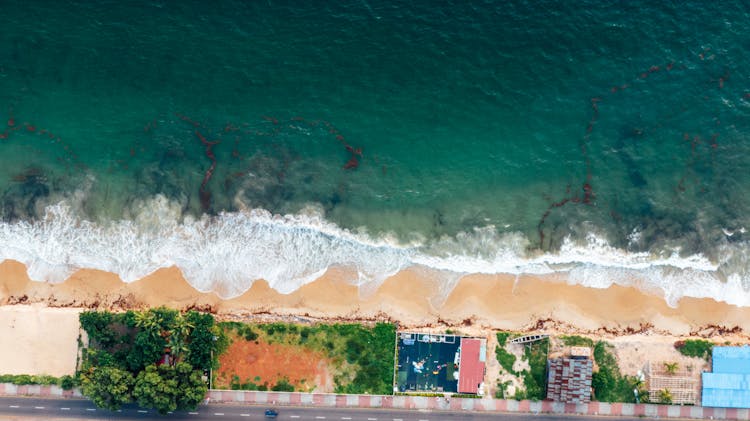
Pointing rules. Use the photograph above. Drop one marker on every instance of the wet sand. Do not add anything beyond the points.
(525, 303)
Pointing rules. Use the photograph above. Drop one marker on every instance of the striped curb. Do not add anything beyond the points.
(481, 405)
(424, 403)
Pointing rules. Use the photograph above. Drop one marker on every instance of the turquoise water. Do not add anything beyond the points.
(604, 140)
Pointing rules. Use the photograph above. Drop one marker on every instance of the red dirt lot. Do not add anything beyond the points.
(272, 362)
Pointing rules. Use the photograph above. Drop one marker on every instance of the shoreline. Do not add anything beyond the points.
(410, 297)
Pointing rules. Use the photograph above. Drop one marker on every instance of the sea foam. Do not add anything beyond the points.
(226, 253)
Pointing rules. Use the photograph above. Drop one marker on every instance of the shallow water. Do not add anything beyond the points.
(604, 140)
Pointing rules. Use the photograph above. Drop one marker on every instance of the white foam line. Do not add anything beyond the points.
(226, 253)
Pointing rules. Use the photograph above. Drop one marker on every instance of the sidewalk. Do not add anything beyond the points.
(428, 403)
(467, 404)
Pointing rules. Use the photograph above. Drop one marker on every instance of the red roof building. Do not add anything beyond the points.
(471, 366)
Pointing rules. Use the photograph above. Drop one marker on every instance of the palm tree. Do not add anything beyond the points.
(671, 368)
(665, 396)
(182, 326)
(178, 348)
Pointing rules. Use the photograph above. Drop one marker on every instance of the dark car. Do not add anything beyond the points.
(272, 413)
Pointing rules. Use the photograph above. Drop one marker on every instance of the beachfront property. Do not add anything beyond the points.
(440, 363)
(728, 385)
(569, 377)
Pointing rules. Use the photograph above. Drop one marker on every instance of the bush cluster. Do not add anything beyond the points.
(695, 348)
(156, 357)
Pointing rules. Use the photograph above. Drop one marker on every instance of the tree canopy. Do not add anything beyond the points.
(108, 387)
(123, 361)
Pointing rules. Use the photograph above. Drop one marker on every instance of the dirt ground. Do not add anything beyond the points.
(250, 360)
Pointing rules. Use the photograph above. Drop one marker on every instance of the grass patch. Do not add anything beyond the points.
(535, 379)
(362, 355)
(505, 358)
(695, 348)
(575, 340)
(608, 383)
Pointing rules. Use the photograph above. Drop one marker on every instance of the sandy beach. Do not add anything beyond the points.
(23, 352)
(497, 302)
(632, 320)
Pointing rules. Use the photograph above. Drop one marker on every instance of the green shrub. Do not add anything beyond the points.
(28, 379)
(97, 326)
(424, 394)
(68, 382)
(465, 395)
(283, 385)
(506, 359)
(502, 338)
(574, 340)
(608, 383)
(22, 379)
(695, 348)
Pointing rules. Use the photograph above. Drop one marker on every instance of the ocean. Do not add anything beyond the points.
(245, 140)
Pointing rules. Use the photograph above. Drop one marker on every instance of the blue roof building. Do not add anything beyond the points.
(728, 386)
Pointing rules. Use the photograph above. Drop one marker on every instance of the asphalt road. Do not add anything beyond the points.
(74, 409)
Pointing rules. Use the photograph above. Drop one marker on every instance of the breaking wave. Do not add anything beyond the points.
(228, 252)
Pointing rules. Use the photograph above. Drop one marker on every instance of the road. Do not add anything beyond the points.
(73, 409)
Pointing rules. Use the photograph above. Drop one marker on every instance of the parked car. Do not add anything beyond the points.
(272, 413)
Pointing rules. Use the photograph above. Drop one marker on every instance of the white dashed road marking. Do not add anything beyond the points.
(218, 413)
(346, 418)
(13, 406)
(244, 415)
(193, 413)
(140, 411)
(38, 407)
(372, 419)
(294, 416)
(65, 409)
(91, 409)
(320, 418)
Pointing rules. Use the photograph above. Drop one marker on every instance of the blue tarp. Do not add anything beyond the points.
(729, 384)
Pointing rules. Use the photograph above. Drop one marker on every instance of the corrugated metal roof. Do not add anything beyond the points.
(726, 381)
(569, 380)
(731, 359)
(729, 384)
(471, 369)
(726, 390)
